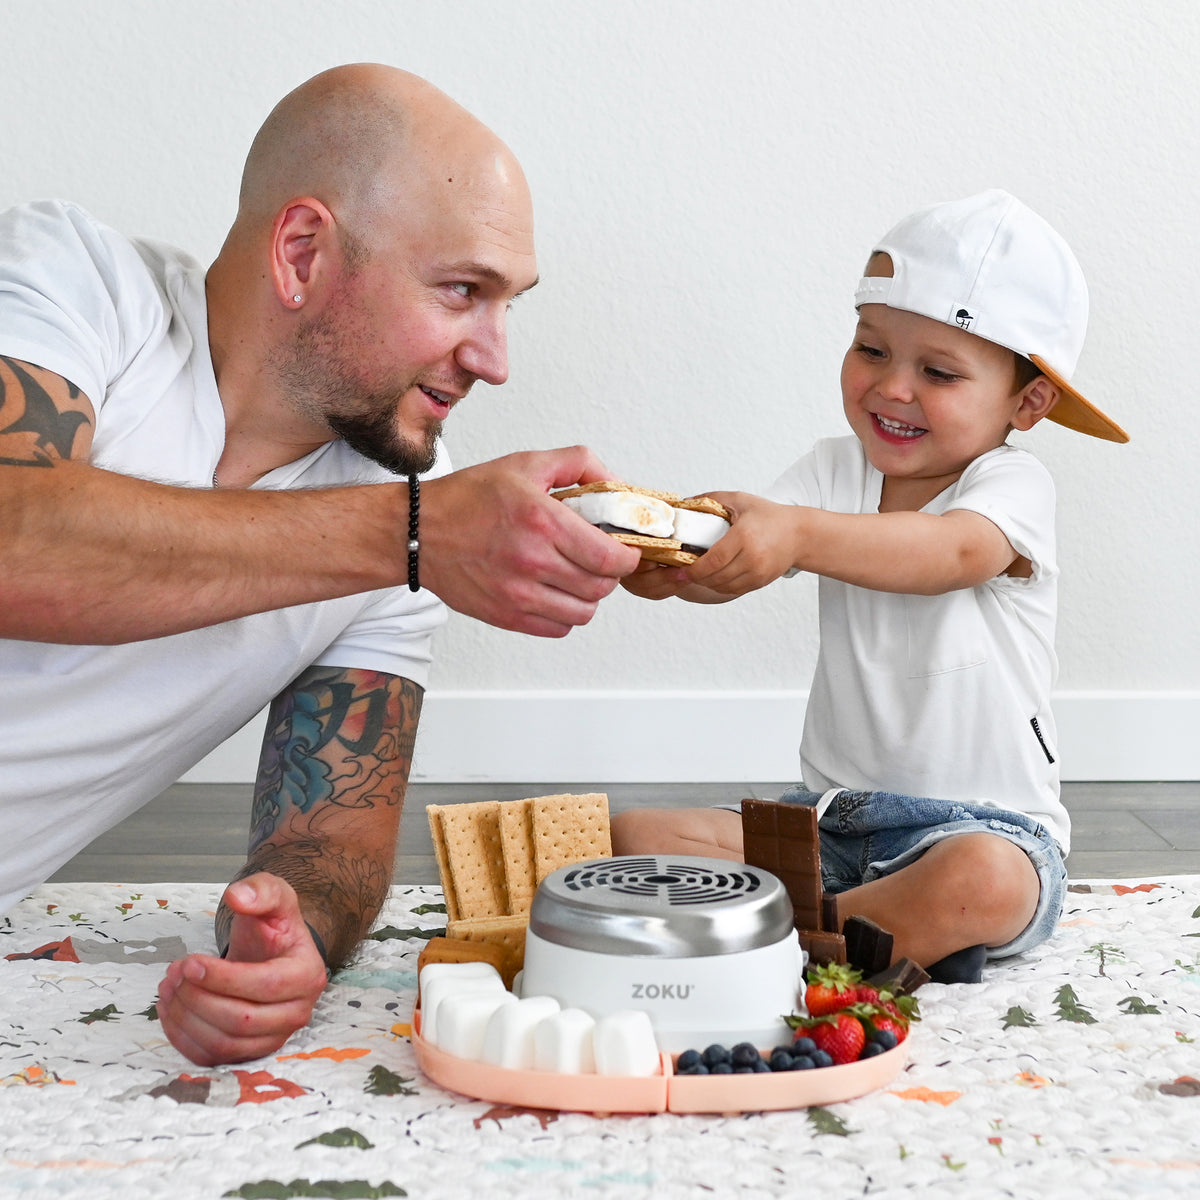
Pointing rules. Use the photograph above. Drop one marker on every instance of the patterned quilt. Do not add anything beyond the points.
(1072, 1071)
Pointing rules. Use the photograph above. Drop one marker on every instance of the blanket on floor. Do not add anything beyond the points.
(1071, 1071)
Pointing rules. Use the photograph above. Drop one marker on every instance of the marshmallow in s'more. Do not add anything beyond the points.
(666, 527)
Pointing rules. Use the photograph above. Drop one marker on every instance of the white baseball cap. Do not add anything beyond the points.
(993, 267)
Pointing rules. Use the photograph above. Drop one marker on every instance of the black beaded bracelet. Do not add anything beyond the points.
(414, 512)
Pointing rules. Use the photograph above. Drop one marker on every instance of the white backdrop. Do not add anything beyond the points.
(708, 178)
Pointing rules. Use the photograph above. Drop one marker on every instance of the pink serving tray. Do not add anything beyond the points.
(663, 1092)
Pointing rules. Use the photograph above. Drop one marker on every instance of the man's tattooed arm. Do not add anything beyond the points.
(44, 419)
(331, 783)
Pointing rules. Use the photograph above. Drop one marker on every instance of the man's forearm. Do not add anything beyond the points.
(340, 889)
(93, 557)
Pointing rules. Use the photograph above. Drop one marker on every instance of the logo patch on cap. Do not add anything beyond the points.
(964, 318)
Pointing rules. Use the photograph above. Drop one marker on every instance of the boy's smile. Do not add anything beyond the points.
(925, 399)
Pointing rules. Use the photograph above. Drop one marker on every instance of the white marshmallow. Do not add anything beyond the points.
(435, 990)
(699, 528)
(646, 515)
(464, 1019)
(563, 1043)
(624, 1044)
(508, 1040)
(459, 970)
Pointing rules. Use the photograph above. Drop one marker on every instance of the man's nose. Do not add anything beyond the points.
(485, 351)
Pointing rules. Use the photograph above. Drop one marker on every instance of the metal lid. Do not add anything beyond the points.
(664, 906)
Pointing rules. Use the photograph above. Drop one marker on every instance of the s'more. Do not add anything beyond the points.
(666, 527)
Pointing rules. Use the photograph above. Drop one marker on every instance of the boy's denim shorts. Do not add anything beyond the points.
(866, 835)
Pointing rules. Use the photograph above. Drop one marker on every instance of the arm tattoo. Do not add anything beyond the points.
(34, 430)
(331, 782)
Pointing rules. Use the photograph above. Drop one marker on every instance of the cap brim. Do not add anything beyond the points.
(1073, 411)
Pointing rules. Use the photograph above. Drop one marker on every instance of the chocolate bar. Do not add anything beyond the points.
(822, 946)
(783, 839)
(868, 946)
(902, 978)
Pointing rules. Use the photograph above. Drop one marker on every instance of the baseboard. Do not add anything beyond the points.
(685, 737)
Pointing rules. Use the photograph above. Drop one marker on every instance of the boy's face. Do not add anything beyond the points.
(924, 398)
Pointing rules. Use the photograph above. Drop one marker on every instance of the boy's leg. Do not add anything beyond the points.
(703, 832)
(973, 889)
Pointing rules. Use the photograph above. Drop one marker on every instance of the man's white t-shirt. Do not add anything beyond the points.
(90, 733)
(938, 696)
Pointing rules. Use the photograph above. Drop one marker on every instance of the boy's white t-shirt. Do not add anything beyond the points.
(90, 733)
(938, 696)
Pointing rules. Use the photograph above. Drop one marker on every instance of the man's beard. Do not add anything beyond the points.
(313, 373)
(375, 436)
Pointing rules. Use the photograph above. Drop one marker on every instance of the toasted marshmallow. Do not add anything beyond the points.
(699, 529)
(646, 515)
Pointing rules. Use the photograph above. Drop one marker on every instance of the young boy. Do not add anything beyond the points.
(928, 747)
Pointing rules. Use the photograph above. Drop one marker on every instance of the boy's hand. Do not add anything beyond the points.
(760, 546)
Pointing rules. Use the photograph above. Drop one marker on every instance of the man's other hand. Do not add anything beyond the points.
(223, 1010)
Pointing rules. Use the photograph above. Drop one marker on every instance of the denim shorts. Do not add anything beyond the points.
(866, 835)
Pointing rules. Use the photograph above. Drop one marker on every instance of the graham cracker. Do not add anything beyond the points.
(516, 842)
(458, 950)
(615, 485)
(569, 829)
(471, 833)
(433, 813)
(506, 933)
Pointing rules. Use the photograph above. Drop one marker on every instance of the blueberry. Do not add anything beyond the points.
(714, 1054)
(687, 1060)
(744, 1055)
(697, 1068)
(743, 1070)
(803, 1062)
(887, 1039)
(821, 1058)
(781, 1059)
(803, 1045)
(871, 1049)
(760, 1066)
(721, 1068)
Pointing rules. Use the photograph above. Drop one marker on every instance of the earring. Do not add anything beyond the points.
(297, 298)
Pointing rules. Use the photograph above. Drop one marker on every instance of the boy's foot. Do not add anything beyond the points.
(963, 966)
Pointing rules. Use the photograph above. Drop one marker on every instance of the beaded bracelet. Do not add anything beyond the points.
(414, 510)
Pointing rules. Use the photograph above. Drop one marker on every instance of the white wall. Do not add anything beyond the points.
(708, 177)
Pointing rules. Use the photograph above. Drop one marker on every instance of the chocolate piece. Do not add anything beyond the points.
(829, 915)
(902, 978)
(868, 947)
(783, 839)
(822, 946)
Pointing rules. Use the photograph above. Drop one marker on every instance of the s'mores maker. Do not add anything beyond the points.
(707, 947)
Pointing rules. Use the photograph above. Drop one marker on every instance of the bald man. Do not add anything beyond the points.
(225, 489)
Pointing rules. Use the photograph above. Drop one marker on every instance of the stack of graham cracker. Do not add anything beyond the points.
(492, 855)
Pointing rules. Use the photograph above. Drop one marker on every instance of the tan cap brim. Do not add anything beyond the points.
(1073, 411)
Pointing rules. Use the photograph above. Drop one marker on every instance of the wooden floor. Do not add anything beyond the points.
(196, 833)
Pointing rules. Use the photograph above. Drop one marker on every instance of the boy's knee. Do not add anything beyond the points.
(636, 830)
(992, 872)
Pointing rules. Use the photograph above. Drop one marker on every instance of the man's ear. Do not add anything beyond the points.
(302, 237)
(1037, 399)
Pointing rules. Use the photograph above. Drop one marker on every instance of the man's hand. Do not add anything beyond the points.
(652, 581)
(495, 546)
(222, 1010)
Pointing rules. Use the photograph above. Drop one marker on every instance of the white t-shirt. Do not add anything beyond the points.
(939, 696)
(90, 733)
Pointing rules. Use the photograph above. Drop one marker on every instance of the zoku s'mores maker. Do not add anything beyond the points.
(705, 946)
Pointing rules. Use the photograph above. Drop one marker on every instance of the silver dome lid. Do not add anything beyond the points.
(663, 906)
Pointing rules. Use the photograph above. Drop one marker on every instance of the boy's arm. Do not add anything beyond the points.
(909, 552)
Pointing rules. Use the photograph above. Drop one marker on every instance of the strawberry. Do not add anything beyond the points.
(840, 1035)
(883, 1024)
(831, 987)
(865, 994)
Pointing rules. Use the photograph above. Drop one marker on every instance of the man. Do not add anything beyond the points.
(381, 234)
